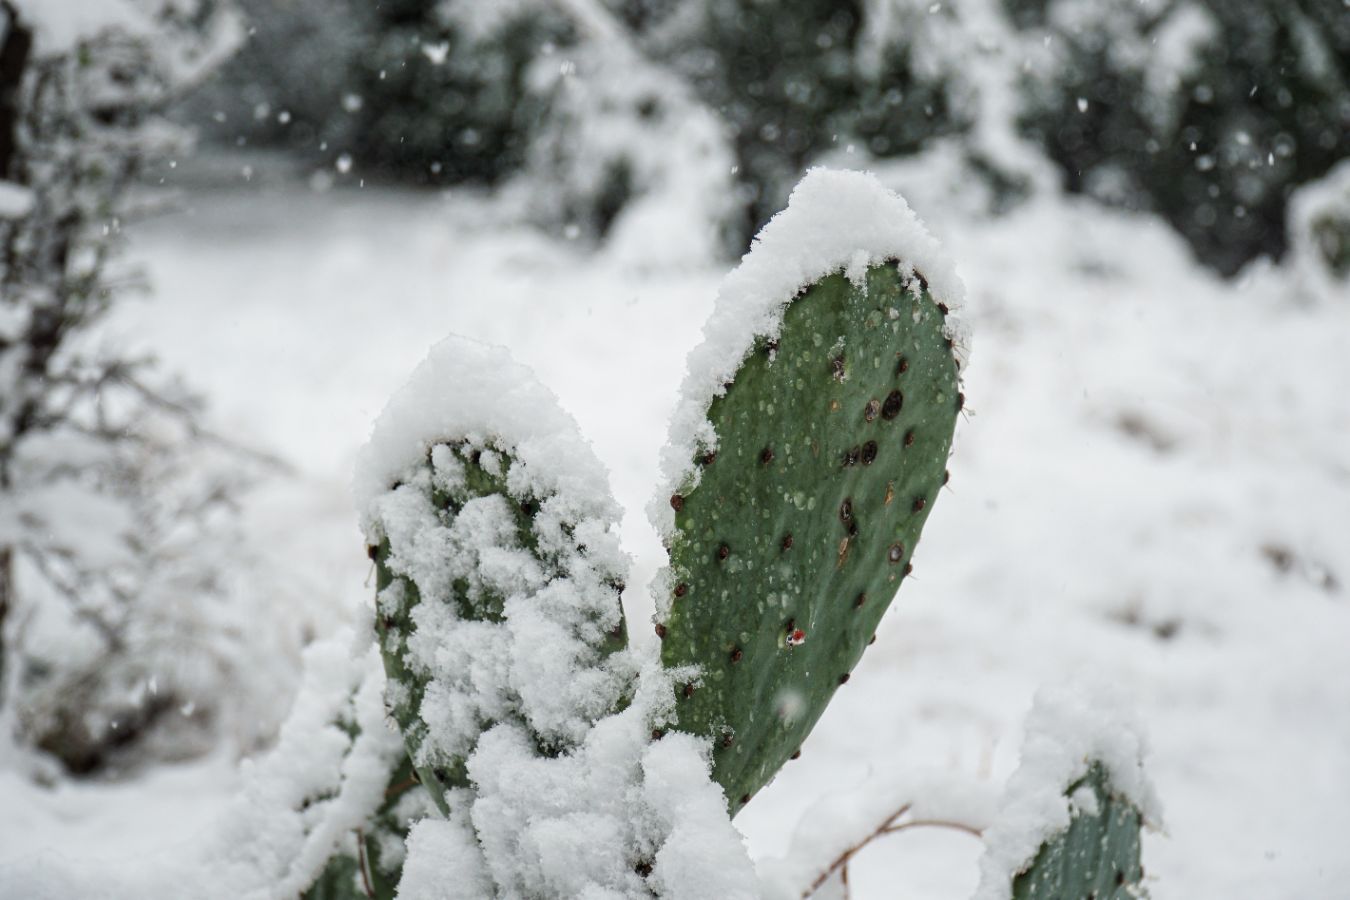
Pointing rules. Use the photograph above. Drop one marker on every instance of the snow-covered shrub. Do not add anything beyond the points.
(795, 80)
(1319, 232)
(625, 151)
(1204, 112)
(290, 82)
(441, 90)
(120, 582)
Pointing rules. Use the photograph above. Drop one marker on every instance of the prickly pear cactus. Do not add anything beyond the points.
(1096, 856)
(498, 576)
(831, 449)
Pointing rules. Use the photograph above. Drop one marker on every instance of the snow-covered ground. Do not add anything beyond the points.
(1151, 488)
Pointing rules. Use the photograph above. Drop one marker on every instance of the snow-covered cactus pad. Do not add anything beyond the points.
(324, 814)
(1319, 231)
(498, 575)
(1069, 824)
(373, 870)
(809, 449)
(1096, 856)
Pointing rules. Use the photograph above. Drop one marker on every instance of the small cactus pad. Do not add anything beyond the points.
(832, 445)
(365, 873)
(1096, 856)
(465, 535)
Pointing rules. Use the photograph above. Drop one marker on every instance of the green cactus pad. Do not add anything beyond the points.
(399, 595)
(832, 445)
(1096, 856)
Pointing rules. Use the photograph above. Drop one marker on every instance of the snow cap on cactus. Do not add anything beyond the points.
(473, 389)
(835, 220)
(1069, 735)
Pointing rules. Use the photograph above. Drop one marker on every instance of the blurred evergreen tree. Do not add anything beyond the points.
(793, 81)
(1208, 113)
(445, 88)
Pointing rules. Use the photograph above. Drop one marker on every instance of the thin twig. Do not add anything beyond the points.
(843, 858)
(935, 823)
(361, 863)
(889, 826)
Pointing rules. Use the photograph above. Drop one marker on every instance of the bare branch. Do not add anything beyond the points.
(890, 826)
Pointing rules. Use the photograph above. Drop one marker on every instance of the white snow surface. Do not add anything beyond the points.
(1067, 730)
(60, 25)
(835, 220)
(842, 820)
(16, 201)
(1149, 477)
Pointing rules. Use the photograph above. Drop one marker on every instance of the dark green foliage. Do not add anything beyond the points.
(1267, 108)
(1097, 856)
(286, 84)
(467, 118)
(832, 450)
(786, 78)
